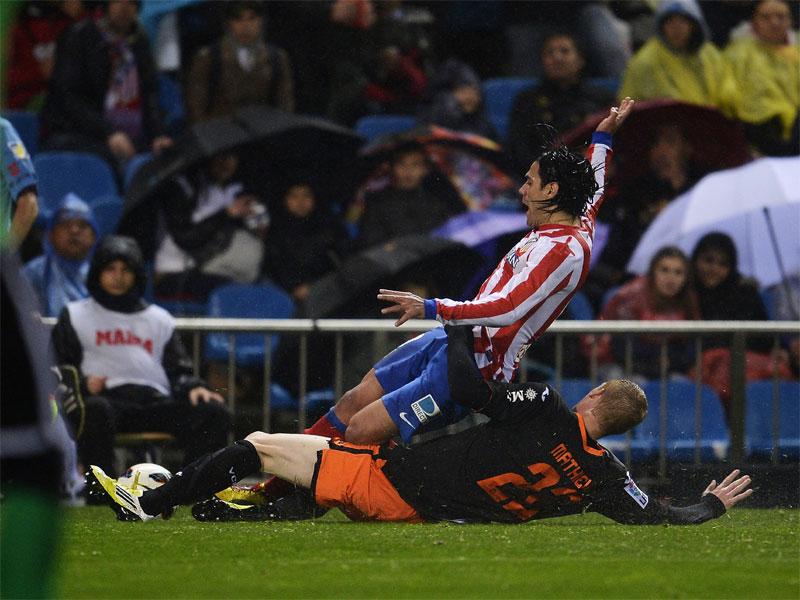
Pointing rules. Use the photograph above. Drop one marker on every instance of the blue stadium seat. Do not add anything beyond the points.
(262, 301)
(171, 102)
(134, 164)
(609, 84)
(26, 123)
(87, 175)
(107, 212)
(375, 126)
(758, 419)
(498, 98)
(579, 308)
(714, 436)
(280, 398)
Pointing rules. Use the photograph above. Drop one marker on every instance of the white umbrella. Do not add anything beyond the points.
(757, 204)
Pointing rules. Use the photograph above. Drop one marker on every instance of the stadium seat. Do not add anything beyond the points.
(87, 175)
(107, 212)
(171, 102)
(498, 98)
(608, 84)
(263, 301)
(375, 126)
(714, 436)
(27, 125)
(579, 308)
(759, 414)
(134, 164)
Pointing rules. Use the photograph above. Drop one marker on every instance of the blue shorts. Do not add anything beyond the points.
(416, 391)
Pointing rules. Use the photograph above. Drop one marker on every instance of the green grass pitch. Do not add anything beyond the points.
(744, 554)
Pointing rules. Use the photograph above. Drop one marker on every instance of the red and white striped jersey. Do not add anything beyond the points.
(530, 286)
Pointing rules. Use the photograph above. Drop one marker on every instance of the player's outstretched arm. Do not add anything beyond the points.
(616, 117)
(732, 490)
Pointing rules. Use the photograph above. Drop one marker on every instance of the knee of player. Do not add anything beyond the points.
(359, 430)
(349, 404)
(258, 438)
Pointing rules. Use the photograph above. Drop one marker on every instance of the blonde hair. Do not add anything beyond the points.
(622, 406)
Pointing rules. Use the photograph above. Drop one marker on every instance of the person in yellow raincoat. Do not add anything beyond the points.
(766, 64)
(680, 63)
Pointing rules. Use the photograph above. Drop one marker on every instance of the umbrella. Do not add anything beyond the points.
(476, 228)
(445, 262)
(717, 142)
(274, 147)
(758, 205)
(474, 169)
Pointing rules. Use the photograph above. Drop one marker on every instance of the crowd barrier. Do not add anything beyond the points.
(701, 445)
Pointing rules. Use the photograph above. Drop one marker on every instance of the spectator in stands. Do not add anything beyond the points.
(456, 100)
(59, 275)
(766, 65)
(680, 63)
(134, 373)
(405, 206)
(295, 265)
(379, 72)
(671, 171)
(239, 69)
(32, 50)
(664, 294)
(724, 295)
(103, 95)
(563, 99)
(214, 231)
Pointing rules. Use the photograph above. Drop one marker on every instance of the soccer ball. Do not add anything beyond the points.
(144, 476)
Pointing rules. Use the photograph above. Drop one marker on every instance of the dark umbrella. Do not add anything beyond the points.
(446, 263)
(717, 142)
(275, 148)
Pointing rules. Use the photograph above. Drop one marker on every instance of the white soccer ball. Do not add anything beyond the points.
(144, 476)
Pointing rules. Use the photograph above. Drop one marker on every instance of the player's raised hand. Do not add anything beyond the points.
(616, 116)
(733, 488)
(406, 304)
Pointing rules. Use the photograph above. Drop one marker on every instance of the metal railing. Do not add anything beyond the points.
(737, 330)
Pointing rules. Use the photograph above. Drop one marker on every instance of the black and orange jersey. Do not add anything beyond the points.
(532, 460)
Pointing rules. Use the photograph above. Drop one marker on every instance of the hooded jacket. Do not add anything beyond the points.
(699, 75)
(58, 280)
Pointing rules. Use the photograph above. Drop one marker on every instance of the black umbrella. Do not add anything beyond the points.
(442, 264)
(275, 148)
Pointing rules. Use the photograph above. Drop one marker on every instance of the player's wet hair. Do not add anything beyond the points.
(622, 406)
(574, 175)
(572, 172)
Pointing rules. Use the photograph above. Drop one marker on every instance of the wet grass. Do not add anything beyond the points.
(744, 554)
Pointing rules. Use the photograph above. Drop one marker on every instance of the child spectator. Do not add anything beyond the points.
(214, 232)
(134, 372)
(59, 275)
(456, 101)
(679, 63)
(295, 265)
(239, 69)
(766, 66)
(405, 206)
(562, 100)
(664, 294)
